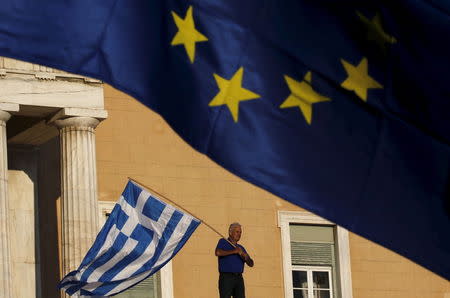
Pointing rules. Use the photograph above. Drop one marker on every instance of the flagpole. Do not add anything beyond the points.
(182, 208)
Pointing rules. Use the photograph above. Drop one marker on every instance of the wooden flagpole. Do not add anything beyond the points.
(184, 209)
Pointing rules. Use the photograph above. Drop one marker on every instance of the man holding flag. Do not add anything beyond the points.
(231, 257)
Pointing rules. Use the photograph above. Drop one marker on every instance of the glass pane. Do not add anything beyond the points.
(299, 279)
(300, 293)
(321, 280)
(321, 294)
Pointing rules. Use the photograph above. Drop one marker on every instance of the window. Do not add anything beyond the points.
(311, 282)
(316, 257)
(158, 285)
(313, 260)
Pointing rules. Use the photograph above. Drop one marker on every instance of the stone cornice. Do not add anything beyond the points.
(46, 76)
(15, 68)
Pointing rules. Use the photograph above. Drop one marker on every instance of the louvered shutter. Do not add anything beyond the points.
(148, 288)
(314, 254)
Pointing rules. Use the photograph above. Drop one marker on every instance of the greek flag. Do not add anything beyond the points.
(140, 236)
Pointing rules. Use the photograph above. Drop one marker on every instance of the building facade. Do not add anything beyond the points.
(68, 145)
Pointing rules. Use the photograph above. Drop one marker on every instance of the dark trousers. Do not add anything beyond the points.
(231, 285)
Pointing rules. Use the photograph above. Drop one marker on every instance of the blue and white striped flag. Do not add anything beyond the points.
(140, 236)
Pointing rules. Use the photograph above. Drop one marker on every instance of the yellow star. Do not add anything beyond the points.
(231, 93)
(376, 31)
(187, 35)
(302, 96)
(358, 79)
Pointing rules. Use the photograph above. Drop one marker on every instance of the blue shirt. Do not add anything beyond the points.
(231, 263)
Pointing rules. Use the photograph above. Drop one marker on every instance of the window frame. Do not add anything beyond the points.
(309, 270)
(344, 279)
(105, 207)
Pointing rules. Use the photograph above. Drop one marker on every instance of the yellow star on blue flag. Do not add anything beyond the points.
(302, 96)
(187, 34)
(358, 79)
(231, 93)
(375, 31)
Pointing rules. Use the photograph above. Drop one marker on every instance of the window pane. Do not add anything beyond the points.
(300, 293)
(321, 280)
(299, 279)
(321, 294)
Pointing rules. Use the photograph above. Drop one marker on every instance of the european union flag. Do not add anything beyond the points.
(341, 107)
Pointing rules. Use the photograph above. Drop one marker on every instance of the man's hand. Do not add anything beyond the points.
(244, 256)
(238, 250)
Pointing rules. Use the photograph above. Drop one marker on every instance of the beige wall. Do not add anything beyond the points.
(378, 272)
(23, 222)
(33, 186)
(136, 142)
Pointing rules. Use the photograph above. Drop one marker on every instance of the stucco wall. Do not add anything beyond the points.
(378, 272)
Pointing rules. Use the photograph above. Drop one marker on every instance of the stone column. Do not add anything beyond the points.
(79, 213)
(5, 256)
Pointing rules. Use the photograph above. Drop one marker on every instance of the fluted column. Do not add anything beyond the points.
(5, 256)
(78, 189)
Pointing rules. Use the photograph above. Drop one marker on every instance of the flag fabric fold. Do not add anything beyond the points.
(140, 236)
(340, 107)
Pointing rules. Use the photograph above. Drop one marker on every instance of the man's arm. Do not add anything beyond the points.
(245, 256)
(247, 259)
(223, 253)
(237, 250)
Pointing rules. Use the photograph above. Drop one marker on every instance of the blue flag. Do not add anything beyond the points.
(140, 236)
(340, 107)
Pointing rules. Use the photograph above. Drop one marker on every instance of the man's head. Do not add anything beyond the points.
(235, 231)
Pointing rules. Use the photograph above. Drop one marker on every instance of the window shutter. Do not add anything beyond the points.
(148, 288)
(304, 253)
(145, 285)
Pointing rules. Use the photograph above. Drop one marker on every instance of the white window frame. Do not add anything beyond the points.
(309, 270)
(104, 208)
(344, 281)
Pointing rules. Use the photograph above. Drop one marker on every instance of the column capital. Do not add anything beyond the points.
(65, 113)
(77, 122)
(4, 116)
